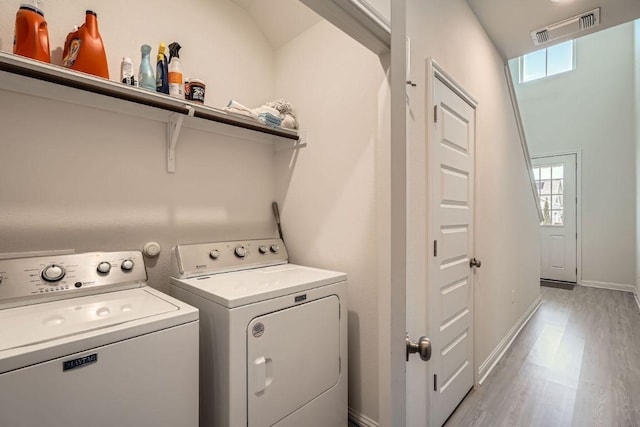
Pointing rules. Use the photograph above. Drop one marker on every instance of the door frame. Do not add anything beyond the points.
(435, 71)
(578, 154)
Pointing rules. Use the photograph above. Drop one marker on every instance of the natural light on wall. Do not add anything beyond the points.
(547, 62)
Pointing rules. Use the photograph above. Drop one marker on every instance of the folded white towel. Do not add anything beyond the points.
(237, 108)
(289, 122)
(264, 110)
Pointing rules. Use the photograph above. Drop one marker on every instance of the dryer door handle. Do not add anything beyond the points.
(261, 374)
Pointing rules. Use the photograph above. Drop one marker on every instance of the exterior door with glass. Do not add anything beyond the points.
(555, 178)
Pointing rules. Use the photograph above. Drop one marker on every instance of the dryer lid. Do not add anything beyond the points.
(39, 323)
(244, 287)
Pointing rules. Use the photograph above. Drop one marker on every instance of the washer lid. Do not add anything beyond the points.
(239, 288)
(39, 323)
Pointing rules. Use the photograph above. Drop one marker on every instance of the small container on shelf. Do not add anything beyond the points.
(194, 90)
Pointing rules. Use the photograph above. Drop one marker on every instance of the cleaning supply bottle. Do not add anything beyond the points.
(84, 49)
(31, 37)
(145, 76)
(162, 71)
(126, 72)
(176, 80)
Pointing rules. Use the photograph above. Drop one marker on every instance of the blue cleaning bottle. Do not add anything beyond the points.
(146, 78)
(162, 70)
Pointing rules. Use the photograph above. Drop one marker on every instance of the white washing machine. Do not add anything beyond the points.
(273, 348)
(83, 342)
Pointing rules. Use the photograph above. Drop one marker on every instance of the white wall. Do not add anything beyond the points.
(592, 109)
(221, 44)
(86, 179)
(506, 231)
(327, 191)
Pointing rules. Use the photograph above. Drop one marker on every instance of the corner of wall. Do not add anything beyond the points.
(636, 84)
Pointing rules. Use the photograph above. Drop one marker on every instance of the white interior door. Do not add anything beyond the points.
(555, 178)
(450, 305)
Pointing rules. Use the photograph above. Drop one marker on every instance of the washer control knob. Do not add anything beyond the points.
(240, 251)
(263, 249)
(214, 254)
(275, 249)
(53, 273)
(127, 265)
(104, 267)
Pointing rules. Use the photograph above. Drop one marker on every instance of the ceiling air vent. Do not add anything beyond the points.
(542, 36)
(566, 28)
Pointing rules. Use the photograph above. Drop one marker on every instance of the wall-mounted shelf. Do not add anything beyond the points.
(177, 109)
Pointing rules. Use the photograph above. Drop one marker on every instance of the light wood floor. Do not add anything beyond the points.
(576, 363)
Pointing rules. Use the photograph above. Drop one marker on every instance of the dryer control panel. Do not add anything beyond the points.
(219, 257)
(63, 276)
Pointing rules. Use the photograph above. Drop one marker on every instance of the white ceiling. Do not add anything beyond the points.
(280, 20)
(509, 22)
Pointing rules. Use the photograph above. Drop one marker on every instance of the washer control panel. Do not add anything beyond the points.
(219, 257)
(26, 278)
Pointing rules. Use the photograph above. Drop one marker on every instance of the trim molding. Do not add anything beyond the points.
(487, 366)
(358, 19)
(523, 139)
(608, 285)
(637, 298)
(361, 420)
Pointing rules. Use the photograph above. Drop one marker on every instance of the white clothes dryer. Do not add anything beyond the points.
(84, 342)
(273, 345)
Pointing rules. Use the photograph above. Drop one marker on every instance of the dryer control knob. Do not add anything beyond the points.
(104, 267)
(275, 249)
(241, 251)
(127, 265)
(214, 254)
(53, 273)
(263, 250)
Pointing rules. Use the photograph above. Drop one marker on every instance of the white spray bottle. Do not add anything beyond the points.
(176, 79)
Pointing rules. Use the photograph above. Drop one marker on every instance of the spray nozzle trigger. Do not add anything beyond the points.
(174, 50)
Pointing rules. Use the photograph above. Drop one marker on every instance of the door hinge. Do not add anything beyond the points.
(435, 382)
(435, 248)
(435, 114)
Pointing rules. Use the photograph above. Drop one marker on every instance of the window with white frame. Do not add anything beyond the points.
(547, 62)
(550, 183)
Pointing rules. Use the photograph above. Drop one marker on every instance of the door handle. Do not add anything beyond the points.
(475, 263)
(422, 347)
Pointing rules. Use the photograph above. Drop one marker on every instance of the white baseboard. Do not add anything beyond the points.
(487, 366)
(608, 285)
(361, 420)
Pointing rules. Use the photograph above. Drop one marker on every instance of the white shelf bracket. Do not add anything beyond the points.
(291, 145)
(173, 132)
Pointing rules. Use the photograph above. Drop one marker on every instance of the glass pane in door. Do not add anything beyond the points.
(550, 182)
